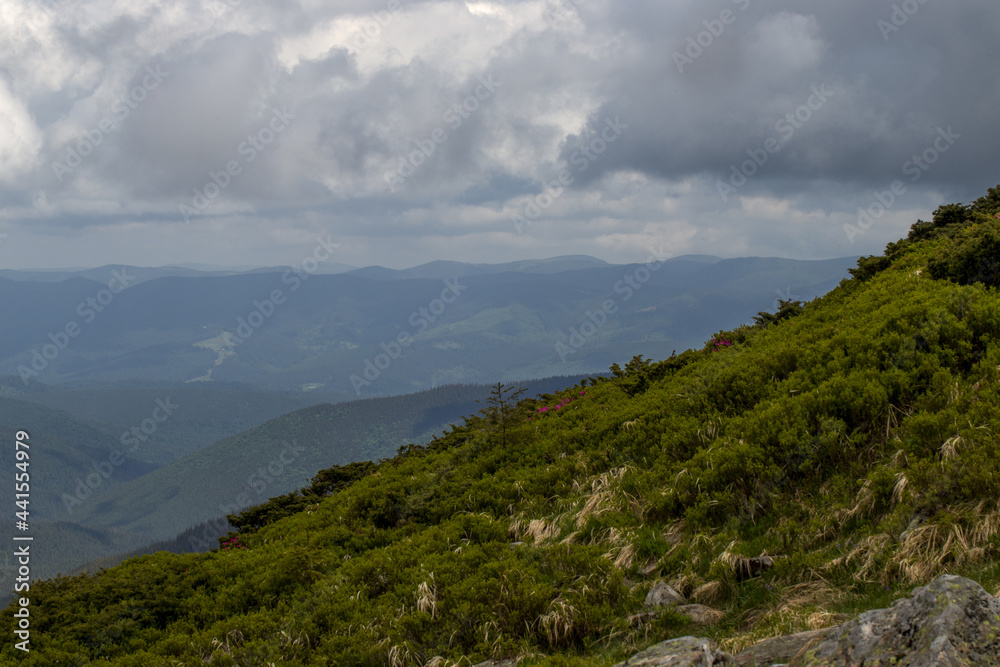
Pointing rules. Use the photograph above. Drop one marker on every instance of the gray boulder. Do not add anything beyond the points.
(680, 652)
(950, 622)
(700, 614)
(663, 595)
(779, 649)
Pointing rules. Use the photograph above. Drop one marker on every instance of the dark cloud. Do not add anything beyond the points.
(843, 96)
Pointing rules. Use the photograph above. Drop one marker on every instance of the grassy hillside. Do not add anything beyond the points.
(131, 510)
(852, 440)
(276, 457)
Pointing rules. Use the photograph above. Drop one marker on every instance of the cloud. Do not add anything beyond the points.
(369, 82)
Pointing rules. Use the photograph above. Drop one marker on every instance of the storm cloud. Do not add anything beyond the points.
(230, 132)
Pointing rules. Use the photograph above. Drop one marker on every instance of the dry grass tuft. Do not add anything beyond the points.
(626, 557)
(800, 607)
(558, 622)
(864, 556)
(899, 489)
(864, 503)
(602, 494)
(709, 592)
(427, 597)
(949, 450)
(401, 656)
(684, 583)
(540, 530)
(928, 550)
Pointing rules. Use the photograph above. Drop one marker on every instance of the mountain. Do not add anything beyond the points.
(64, 451)
(280, 456)
(442, 270)
(784, 476)
(94, 495)
(342, 333)
(140, 274)
(202, 413)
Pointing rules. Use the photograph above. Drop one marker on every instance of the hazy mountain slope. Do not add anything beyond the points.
(850, 440)
(279, 456)
(64, 451)
(204, 413)
(329, 330)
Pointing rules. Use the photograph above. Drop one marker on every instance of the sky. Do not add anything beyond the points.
(231, 132)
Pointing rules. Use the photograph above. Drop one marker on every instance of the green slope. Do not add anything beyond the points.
(853, 440)
(277, 457)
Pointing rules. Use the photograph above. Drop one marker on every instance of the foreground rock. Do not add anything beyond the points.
(680, 652)
(951, 621)
(780, 649)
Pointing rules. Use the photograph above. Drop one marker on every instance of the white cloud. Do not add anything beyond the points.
(565, 68)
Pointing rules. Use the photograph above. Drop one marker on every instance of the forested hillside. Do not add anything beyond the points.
(850, 440)
(382, 332)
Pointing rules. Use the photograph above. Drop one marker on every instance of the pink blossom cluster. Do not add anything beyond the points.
(721, 343)
(562, 404)
(233, 543)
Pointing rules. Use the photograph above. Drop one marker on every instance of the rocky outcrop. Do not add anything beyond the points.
(780, 649)
(680, 652)
(951, 621)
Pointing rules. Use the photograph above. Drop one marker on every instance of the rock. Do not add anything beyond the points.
(780, 649)
(497, 663)
(952, 621)
(700, 614)
(680, 652)
(915, 522)
(663, 595)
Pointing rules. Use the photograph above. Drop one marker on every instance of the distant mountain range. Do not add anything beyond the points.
(377, 331)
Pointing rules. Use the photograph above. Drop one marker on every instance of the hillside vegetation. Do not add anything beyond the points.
(852, 439)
